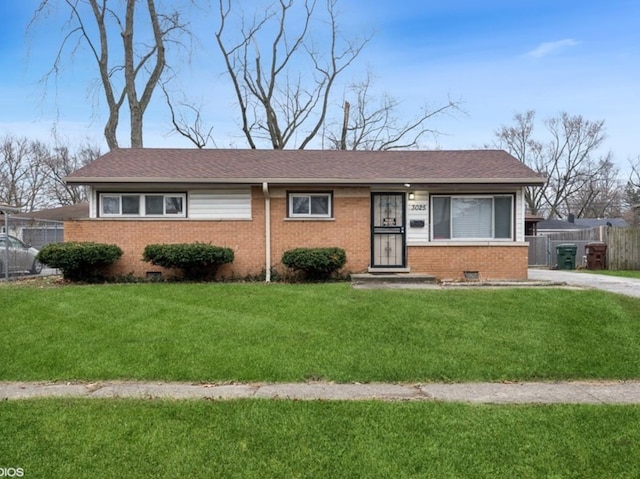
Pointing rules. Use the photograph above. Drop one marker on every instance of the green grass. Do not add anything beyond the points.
(52, 438)
(623, 273)
(257, 332)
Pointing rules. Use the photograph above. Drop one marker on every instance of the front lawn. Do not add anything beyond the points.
(257, 332)
(316, 439)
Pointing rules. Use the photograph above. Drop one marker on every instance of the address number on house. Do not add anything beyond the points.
(418, 207)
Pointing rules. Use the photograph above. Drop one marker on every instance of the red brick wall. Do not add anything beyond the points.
(450, 261)
(245, 237)
(349, 230)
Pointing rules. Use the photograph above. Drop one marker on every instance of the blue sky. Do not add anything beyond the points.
(498, 57)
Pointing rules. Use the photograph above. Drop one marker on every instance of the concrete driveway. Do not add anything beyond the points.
(613, 284)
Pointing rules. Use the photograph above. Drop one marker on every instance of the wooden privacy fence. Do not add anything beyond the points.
(623, 250)
(623, 246)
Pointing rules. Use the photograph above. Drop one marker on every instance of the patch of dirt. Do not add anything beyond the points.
(36, 281)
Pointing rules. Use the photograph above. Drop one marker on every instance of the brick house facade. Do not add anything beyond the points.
(442, 213)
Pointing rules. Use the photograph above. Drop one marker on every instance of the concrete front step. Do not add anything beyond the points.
(388, 279)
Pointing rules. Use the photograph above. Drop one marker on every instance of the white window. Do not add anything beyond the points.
(472, 217)
(151, 204)
(310, 205)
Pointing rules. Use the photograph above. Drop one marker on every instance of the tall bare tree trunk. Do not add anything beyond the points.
(144, 59)
(345, 126)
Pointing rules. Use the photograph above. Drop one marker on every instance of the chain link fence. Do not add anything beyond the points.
(21, 237)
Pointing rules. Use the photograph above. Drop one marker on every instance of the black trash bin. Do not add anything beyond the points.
(566, 256)
(596, 255)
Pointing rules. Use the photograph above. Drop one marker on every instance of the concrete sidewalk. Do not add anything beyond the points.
(579, 392)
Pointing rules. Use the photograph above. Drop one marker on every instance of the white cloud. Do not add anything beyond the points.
(547, 48)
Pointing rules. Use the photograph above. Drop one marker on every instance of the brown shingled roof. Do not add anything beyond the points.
(145, 165)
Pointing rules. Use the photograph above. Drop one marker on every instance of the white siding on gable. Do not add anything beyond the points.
(418, 212)
(222, 204)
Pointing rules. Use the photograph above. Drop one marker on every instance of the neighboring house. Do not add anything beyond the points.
(597, 222)
(531, 224)
(445, 213)
(547, 227)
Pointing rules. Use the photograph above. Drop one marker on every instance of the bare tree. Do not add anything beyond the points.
(190, 125)
(600, 195)
(518, 140)
(372, 123)
(631, 195)
(566, 159)
(574, 140)
(283, 90)
(32, 173)
(135, 63)
(61, 163)
(23, 178)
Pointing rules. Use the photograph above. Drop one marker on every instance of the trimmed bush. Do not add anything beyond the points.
(315, 263)
(80, 261)
(197, 261)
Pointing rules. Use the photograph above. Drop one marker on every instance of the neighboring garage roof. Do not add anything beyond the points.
(581, 223)
(595, 222)
(61, 213)
(555, 225)
(151, 165)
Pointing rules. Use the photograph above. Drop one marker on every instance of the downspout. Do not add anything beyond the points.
(267, 231)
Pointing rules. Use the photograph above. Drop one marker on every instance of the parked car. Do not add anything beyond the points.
(22, 257)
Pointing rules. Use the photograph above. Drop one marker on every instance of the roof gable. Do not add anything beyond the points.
(297, 166)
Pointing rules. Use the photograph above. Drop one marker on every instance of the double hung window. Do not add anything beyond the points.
(147, 204)
(472, 217)
(310, 205)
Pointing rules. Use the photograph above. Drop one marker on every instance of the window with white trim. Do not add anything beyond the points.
(472, 217)
(143, 204)
(310, 205)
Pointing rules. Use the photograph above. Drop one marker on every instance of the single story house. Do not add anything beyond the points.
(444, 213)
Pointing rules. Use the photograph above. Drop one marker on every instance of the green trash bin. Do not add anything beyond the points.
(566, 256)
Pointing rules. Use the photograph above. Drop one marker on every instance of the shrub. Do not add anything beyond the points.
(80, 261)
(197, 261)
(315, 263)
